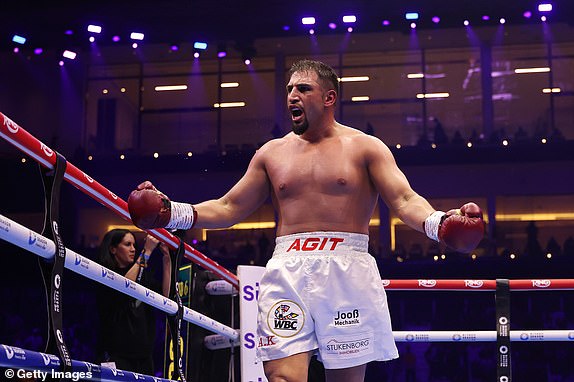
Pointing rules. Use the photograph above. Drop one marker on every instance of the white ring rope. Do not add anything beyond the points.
(44, 367)
(483, 336)
(27, 239)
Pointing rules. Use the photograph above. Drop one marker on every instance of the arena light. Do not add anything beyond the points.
(228, 104)
(69, 54)
(436, 19)
(350, 19)
(19, 39)
(354, 79)
(360, 98)
(200, 45)
(229, 84)
(308, 21)
(221, 50)
(137, 36)
(415, 75)
(163, 88)
(544, 69)
(551, 90)
(545, 7)
(433, 95)
(94, 28)
(411, 16)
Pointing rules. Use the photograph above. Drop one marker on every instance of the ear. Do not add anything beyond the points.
(113, 250)
(330, 97)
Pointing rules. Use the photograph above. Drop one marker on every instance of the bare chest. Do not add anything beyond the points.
(329, 171)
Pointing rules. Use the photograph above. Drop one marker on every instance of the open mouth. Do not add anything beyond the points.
(296, 113)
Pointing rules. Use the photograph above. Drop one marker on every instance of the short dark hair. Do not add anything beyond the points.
(324, 72)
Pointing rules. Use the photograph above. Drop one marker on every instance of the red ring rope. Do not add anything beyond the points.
(44, 155)
(479, 285)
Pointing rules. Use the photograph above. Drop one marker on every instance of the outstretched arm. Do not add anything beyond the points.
(243, 199)
(393, 186)
(460, 229)
(150, 208)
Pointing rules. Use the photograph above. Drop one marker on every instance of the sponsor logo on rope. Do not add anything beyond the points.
(427, 283)
(473, 283)
(420, 337)
(5, 225)
(571, 335)
(48, 151)
(285, 318)
(464, 336)
(541, 283)
(88, 178)
(45, 358)
(386, 282)
(9, 351)
(350, 318)
(315, 243)
(11, 125)
(37, 240)
(114, 196)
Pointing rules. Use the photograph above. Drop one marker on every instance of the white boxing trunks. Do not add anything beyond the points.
(322, 292)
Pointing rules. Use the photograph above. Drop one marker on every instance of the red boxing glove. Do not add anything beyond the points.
(148, 207)
(462, 229)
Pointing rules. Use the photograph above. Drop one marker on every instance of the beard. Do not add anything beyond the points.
(300, 128)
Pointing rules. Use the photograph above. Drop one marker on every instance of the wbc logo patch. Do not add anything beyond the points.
(285, 318)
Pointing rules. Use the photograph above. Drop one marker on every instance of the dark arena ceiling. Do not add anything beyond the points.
(44, 24)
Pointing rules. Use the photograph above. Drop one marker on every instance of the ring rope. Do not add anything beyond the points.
(483, 336)
(478, 285)
(25, 359)
(44, 155)
(27, 239)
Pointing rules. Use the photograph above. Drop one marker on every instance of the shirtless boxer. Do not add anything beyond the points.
(321, 292)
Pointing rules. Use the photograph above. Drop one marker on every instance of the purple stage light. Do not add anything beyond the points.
(527, 14)
(332, 26)
(436, 19)
(386, 23)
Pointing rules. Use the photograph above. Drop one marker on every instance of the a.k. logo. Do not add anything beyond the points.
(285, 318)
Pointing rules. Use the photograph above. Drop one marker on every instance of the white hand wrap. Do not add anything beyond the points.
(183, 216)
(432, 224)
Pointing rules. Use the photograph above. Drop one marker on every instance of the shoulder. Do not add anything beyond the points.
(361, 139)
(273, 147)
(368, 147)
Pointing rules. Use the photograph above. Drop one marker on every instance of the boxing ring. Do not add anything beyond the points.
(27, 361)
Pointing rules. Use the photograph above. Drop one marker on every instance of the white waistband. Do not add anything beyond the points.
(321, 242)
